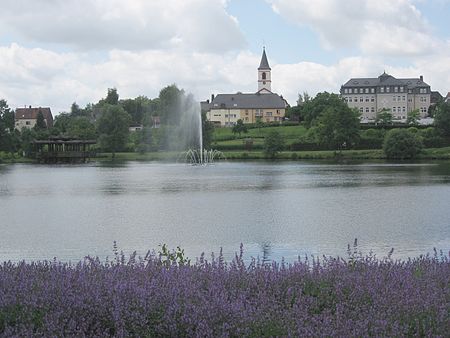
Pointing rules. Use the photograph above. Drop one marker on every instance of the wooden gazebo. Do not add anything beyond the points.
(59, 149)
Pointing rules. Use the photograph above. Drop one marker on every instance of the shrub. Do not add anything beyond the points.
(402, 144)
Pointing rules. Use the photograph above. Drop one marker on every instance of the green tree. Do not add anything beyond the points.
(313, 108)
(442, 119)
(113, 128)
(384, 117)
(62, 122)
(112, 97)
(75, 110)
(413, 117)
(7, 135)
(207, 131)
(338, 128)
(402, 144)
(169, 104)
(40, 122)
(273, 144)
(239, 128)
(82, 128)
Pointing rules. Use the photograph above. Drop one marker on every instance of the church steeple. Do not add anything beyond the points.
(264, 75)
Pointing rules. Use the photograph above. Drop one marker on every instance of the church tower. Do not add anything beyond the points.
(264, 76)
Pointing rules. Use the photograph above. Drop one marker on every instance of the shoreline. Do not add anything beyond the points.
(434, 154)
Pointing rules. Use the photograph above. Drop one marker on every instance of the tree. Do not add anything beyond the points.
(338, 128)
(273, 144)
(40, 122)
(207, 131)
(113, 128)
(239, 128)
(442, 119)
(259, 124)
(62, 122)
(313, 109)
(402, 144)
(75, 110)
(7, 135)
(112, 96)
(82, 128)
(413, 117)
(384, 117)
(169, 104)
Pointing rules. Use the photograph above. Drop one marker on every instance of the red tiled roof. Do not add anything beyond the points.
(32, 113)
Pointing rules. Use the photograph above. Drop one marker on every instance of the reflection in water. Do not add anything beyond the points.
(275, 209)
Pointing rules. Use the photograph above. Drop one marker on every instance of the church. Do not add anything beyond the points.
(224, 110)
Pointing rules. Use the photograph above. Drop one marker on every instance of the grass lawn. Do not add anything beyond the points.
(290, 133)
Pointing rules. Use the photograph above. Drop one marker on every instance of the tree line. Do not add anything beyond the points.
(108, 122)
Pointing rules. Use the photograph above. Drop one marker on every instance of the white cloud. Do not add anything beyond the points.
(382, 27)
(199, 25)
(38, 77)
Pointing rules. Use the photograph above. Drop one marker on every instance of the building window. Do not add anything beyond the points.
(269, 113)
(388, 89)
(367, 99)
(27, 123)
(361, 90)
(349, 90)
(396, 89)
(393, 98)
(263, 76)
(372, 90)
(382, 89)
(367, 109)
(404, 98)
(361, 99)
(402, 89)
(372, 99)
(345, 91)
(367, 90)
(361, 109)
(394, 110)
(404, 109)
(349, 99)
(372, 110)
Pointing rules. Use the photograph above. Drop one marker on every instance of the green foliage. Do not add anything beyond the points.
(313, 109)
(431, 138)
(169, 102)
(384, 117)
(207, 131)
(371, 139)
(8, 136)
(40, 122)
(338, 128)
(112, 97)
(239, 128)
(62, 122)
(402, 144)
(173, 257)
(82, 128)
(413, 118)
(442, 118)
(113, 128)
(273, 144)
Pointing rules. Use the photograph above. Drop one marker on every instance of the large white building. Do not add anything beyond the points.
(226, 109)
(399, 96)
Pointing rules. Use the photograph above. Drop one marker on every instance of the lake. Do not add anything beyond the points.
(275, 209)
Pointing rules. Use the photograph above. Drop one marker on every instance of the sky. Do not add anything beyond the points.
(56, 52)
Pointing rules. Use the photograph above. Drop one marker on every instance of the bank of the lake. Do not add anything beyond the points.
(369, 154)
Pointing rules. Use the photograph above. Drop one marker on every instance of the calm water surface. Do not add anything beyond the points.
(275, 209)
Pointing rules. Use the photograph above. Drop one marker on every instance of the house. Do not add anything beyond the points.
(385, 92)
(27, 117)
(226, 109)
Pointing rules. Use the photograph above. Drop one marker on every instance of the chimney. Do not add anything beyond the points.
(421, 78)
(212, 98)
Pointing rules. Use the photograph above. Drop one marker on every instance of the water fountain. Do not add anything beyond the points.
(193, 135)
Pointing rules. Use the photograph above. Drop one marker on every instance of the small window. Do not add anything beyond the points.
(382, 89)
(372, 90)
(367, 90)
(264, 76)
(388, 89)
(361, 99)
(372, 99)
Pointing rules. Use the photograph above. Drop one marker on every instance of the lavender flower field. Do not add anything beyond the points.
(165, 295)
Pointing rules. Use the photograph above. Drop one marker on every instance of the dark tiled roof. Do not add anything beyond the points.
(264, 63)
(32, 113)
(385, 80)
(248, 101)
